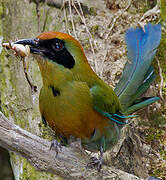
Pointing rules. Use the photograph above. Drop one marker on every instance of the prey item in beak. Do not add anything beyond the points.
(19, 49)
(22, 48)
(32, 43)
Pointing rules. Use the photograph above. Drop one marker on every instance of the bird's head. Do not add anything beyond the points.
(56, 51)
(57, 47)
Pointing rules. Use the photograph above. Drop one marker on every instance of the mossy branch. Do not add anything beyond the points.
(69, 164)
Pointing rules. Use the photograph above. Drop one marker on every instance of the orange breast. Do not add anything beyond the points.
(71, 112)
(75, 123)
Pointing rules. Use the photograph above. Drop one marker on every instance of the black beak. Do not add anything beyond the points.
(32, 43)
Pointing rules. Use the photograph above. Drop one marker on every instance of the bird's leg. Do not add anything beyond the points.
(55, 145)
(98, 161)
(100, 158)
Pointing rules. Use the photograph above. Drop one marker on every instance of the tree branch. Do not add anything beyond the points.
(69, 164)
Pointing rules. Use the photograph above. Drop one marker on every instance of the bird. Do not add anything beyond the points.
(75, 102)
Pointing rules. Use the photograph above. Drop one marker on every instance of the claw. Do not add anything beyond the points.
(96, 162)
(55, 145)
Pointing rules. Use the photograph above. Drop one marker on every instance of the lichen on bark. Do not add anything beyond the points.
(19, 22)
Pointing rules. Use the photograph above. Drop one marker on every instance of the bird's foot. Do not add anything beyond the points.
(95, 163)
(56, 146)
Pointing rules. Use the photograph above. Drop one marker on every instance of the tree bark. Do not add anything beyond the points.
(20, 21)
(70, 163)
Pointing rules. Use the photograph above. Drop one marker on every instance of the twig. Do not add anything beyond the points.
(45, 15)
(45, 20)
(33, 87)
(103, 60)
(110, 29)
(38, 16)
(65, 16)
(90, 35)
(55, 3)
(69, 164)
(117, 17)
(162, 79)
(72, 21)
(151, 12)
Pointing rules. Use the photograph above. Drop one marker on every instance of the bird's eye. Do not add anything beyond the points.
(57, 46)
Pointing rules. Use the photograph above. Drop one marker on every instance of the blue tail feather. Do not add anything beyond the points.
(138, 74)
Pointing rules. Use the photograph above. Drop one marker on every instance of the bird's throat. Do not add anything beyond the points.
(53, 73)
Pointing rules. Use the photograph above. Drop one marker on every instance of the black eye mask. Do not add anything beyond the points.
(53, 49)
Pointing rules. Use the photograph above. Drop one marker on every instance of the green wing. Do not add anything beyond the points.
(106, 102)
(105, 99)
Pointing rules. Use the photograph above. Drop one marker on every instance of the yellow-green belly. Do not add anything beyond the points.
(71, 112)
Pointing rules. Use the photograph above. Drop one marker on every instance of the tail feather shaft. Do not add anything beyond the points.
(138, 73)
